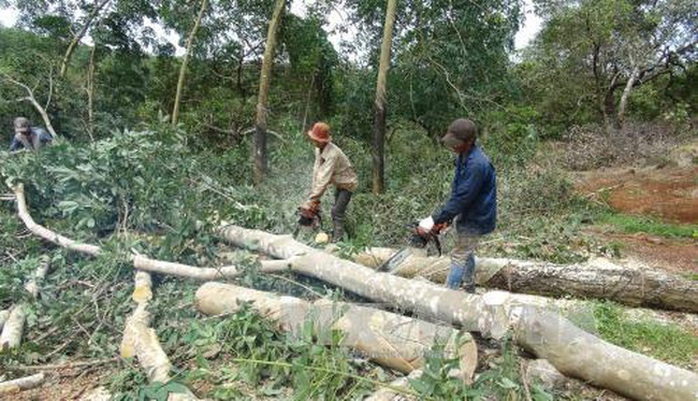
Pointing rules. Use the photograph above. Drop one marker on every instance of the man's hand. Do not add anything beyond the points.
(311, 205)
(426, 224)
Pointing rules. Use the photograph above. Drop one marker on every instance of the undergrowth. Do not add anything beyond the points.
(643, 224)
(664, 341)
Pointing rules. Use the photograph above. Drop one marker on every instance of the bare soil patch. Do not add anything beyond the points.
(669, 193)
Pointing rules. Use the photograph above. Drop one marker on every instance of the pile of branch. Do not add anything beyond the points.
(625, 285)
(140, 340)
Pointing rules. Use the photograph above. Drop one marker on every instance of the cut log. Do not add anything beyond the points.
(141, 341)
(12, 331)
(547, 335)
(391, 340)
(24, 383)
(598, 279)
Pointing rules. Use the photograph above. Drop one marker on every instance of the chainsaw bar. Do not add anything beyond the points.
(395, 260)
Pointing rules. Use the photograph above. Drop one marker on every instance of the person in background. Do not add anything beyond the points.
(333, 167)
(473, 202)
(28, 137)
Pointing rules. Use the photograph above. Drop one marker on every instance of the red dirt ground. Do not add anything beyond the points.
(670, 194)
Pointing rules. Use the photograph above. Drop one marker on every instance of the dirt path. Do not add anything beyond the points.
(670, 194)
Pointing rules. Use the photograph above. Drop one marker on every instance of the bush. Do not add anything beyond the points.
(637, 144)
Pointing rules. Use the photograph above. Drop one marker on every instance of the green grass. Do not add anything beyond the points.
(667, 342)
(636, 224)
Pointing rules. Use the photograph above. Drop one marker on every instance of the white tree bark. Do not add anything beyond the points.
(391, 340)
(24, 383)
(45, 233)
(141, 341)
(13, 329)
(599, 279)
(4, 314)
(547, 335)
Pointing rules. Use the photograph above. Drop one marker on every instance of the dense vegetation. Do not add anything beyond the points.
(601, 72)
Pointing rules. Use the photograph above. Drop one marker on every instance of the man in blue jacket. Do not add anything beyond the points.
(473, 202)
(28, 137)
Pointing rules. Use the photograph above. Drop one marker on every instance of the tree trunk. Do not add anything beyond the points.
(600, 279)
(141, 341)
(569, 349)
(91, 94)
(24, 383)
(260, 135)
(12, 331)
(4, 314)
(185, 60)
(622, 108)
(391, 340)
(380, 104)
(78, 37)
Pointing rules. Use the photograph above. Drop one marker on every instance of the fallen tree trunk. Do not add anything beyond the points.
(569, 349)
(12, 331)
(21, 384)
(141, 341)
(600, 279)
(391, 340)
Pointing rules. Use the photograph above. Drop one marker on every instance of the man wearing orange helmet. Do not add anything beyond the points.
(332, 166)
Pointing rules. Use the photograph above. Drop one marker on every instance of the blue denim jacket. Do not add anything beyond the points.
(473, 195)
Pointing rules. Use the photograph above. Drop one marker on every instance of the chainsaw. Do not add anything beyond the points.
(309, 217)
(419, 238)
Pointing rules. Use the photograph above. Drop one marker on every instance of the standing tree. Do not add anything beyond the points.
(260, 136)
(602, 50)
(380, 104)
(77, 37)
(185, 59)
